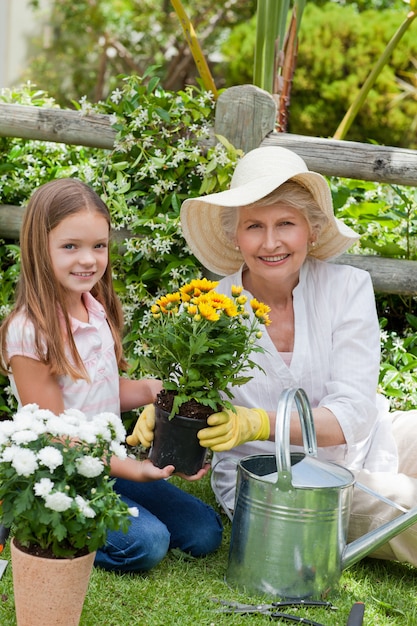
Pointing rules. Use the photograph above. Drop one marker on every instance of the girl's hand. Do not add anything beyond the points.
(204, 470)
(149, 472)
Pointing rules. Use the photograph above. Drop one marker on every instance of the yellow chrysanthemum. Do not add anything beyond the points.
(192, 310)
(261, 311)
(217, 300)
(236, 290)
(208, 312)
(231, 311)
(197, 287)
(169, 303)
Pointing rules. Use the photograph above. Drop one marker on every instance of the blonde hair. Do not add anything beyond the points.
(40, 295)
(292, 194)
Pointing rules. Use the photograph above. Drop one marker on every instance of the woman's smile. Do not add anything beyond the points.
(273, 237)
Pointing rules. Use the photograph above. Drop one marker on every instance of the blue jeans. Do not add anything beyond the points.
(168, 518)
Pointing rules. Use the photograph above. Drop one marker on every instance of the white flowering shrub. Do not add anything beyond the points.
(164, 152)
(386, 217)
(55, 485)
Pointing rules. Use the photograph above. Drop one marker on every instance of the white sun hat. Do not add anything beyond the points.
(257, 174)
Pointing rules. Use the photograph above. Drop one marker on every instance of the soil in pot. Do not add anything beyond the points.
(175, 440)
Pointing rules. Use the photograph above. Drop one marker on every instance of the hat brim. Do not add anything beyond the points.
(202, 227)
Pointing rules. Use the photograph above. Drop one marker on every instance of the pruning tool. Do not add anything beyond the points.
(273, 609)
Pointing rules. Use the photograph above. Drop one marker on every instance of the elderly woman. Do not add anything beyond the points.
(274, 232)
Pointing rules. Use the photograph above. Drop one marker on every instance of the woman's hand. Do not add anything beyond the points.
(230, 428)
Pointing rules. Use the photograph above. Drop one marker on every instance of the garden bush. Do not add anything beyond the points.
(338, 47)
(164, 152)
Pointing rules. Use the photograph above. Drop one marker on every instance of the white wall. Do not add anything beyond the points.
(18, 23)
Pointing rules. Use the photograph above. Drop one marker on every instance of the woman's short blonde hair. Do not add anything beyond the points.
(290, 193)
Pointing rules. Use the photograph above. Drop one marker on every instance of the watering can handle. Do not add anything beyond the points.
(282, 431)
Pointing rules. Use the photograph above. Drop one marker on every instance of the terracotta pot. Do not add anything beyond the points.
(176, 442)
(49, 592)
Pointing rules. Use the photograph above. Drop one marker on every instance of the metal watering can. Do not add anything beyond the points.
(289, 530)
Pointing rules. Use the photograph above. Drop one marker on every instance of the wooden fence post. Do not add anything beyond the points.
(245, 115)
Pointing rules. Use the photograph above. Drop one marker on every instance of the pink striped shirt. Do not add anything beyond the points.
(95, 345)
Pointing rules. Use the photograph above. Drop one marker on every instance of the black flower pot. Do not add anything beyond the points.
(176, 442)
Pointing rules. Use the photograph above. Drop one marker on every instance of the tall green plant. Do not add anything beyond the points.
(271, 18)
(276, 51)
(196, 51)
(358, 102)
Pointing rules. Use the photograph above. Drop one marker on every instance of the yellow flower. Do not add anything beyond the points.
(196, 329)
(236, 290)
(208, 312)
(196, 288)
(261, 311)
(169, 302)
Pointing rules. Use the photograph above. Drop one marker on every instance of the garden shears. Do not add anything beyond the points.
(273, 610)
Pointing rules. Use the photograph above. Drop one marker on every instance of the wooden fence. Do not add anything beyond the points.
(245, 115)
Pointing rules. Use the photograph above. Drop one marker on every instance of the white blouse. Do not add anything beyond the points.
(335, 360)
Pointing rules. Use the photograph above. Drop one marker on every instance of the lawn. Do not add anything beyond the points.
(180, 592)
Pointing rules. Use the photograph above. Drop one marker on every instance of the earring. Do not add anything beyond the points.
(237, 248)
(313, 243)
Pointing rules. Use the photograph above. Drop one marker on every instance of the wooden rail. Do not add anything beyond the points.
(56, 125)
(246, 116)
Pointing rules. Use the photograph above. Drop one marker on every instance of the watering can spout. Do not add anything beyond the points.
(363, 546)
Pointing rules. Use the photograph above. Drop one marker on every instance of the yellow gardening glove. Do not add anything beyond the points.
(144, 427)
(228, 429)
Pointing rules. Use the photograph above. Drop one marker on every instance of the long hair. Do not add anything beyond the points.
(40, 296)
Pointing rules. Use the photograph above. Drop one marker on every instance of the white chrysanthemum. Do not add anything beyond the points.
(24, 461)
(84, 507)
(24, 436)
(88, 432)
(58, 501)
(43, 414)
(115, 423)
(43, 487)
(50, 457)
(19, 422)
(133, 511)
(58, 427)
(118, 450)
(76, 414)
(29, 408)
(89, 466)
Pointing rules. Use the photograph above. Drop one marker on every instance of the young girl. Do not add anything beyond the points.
(61, 348)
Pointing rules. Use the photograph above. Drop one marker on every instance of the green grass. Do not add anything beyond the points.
(179, 591)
